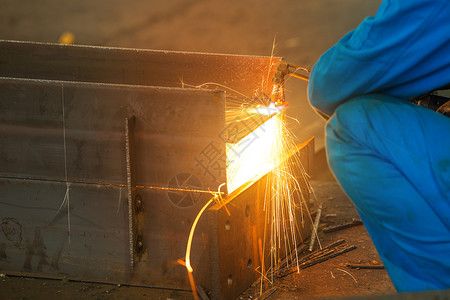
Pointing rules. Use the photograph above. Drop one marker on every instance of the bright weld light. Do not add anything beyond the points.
(249, 159)
(266, 150)
(270, 110)
(255, 155)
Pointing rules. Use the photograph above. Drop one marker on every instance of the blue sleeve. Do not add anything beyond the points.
(404, 51)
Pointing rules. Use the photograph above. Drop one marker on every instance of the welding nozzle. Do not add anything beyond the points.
(281, 72)
(285, 69)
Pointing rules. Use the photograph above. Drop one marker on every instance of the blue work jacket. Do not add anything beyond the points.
(404, 51)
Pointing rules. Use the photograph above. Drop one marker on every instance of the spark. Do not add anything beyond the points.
(270, 150)
(342, 270)
(263, 275)
(249, 159)
(191, 233)
(261, 145)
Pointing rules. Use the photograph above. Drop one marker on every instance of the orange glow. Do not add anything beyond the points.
(265, 151)
(253, 156)
(191, 235)
(217, 196)
(269, 150)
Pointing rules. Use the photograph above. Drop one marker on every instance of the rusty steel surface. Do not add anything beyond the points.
(88, 144)
(245, 74)
(64, 181)
(105, 162)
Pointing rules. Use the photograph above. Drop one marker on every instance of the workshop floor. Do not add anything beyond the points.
(332, 278)
(303, 30)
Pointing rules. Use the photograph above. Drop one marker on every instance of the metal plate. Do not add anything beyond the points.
(245, 74)
(63, 139)
(85, 145)
(43, 232)
(46, 126)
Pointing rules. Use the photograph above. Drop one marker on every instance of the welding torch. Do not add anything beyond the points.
(285, 69)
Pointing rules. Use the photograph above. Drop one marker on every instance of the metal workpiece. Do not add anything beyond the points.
(106, 160)
(88, 144)
(244, 240)
(245, 74)
(56, 230)
(243, 228)
(72, 168)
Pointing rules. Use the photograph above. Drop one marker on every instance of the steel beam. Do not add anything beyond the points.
(245, 74)
(87, 196)
(50, 129)
(69, 165)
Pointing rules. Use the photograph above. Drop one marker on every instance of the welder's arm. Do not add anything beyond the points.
(402, 51)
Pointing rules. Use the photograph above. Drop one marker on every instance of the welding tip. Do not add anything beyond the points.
(285, 69)
(280, 73)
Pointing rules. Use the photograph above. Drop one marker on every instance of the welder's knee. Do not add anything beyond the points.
(364, 126)
(391, 158)
(369, 122)
(348, 127)
(352, 118)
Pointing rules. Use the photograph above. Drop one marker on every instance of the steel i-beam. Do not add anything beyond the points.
(106, 157)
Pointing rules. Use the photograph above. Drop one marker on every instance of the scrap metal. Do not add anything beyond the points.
(354, 222)
(318, 256)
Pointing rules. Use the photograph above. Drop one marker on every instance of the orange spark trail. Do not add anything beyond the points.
(191, 233)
